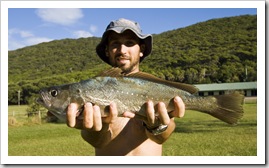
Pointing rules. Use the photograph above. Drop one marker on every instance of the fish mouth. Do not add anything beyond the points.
(43, 100)
(40, 101)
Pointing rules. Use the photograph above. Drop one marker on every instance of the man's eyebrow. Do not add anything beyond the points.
(111, 38)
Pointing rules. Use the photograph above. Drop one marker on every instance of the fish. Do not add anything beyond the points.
(131, 92)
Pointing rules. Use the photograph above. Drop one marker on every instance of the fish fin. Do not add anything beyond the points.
(112, 72)
(183, 86)
(117, 72)
(230, 108)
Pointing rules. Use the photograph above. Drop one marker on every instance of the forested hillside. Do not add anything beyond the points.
(218, 50)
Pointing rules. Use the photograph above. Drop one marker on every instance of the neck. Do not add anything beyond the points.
(131, 70)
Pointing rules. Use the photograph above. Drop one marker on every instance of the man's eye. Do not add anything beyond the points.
(130, 43)
(114, 45)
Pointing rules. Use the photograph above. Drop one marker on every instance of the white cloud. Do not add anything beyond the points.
(62, 16)
(22, 33)
(13, 44)
(20, 38)
(93, 28)
(82, 33)
(36, 40)
(26, 34)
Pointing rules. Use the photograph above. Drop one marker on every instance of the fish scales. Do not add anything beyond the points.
(131, 93)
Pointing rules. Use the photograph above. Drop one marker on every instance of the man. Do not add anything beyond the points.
(124, 46)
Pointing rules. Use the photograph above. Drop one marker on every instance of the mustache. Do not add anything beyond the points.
(121, 56)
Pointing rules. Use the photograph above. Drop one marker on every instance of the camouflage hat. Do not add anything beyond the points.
(119, 26)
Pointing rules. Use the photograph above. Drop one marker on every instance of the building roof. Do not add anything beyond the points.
(227, 86)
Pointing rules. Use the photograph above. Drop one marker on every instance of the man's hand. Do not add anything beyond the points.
(91, 119)
(159, 123)
(163, 116)
(179, 111)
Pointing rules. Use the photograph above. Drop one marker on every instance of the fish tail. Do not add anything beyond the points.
(229, 108)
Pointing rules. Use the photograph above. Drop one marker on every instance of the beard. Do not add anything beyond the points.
(128, 69)
(130, 65)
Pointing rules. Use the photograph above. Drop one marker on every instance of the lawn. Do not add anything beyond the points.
(196, 134)
(202, 135)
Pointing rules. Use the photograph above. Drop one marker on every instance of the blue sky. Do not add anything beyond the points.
(30, 26)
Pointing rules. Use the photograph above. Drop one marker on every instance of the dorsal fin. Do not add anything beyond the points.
(117, 72)
(146, 76)
(112, 72)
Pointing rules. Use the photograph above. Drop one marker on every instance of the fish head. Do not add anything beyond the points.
(56, 99)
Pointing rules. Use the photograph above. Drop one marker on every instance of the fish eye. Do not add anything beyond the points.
(53, 93)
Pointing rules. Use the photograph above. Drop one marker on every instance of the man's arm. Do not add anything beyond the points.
(97, 139)
(94, 129)
(161, 138)
(97, 130)
(162, 119)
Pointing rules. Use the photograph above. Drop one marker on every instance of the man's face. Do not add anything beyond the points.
(124, 51)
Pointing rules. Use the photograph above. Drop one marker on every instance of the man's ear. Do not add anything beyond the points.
(142, 49)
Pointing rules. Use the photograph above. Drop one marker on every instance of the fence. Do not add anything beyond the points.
(17, 115)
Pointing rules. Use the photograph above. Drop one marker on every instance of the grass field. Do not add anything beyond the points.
(202, 135)
(197, 134)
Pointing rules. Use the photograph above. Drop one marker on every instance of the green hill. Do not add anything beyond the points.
(218, 50)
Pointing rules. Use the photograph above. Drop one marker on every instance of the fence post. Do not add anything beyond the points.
(39, 115)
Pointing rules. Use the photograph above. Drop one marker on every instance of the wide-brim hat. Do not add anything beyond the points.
(119, 26)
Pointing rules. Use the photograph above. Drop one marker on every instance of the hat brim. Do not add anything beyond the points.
(101, 47)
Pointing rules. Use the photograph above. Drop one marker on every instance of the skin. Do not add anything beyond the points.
(119, 136)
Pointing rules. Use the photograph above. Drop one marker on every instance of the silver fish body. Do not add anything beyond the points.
(130, 94)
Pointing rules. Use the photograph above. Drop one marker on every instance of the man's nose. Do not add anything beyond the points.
(123, 48)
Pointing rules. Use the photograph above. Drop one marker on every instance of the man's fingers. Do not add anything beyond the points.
(113, 113)
(150, 112)
(163, 116)
(71, 115)
(97, 120)
(179, 107)
(88, 116)
(128, 114)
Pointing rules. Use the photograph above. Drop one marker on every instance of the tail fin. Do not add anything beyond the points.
(229, 108)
